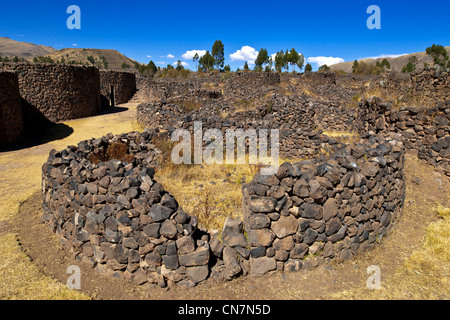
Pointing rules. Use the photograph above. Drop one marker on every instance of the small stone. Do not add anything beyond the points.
(285, 226)
(197, 274)
(260, 266)
(262, 204)
(299, 251)
(197, 258)
(168, 229)
(152, 230)
(159, 213)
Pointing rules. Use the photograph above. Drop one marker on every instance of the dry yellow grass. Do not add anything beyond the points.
(424, 275)
(210, 192)
(347, 137)
(398, 100)
(22, 280)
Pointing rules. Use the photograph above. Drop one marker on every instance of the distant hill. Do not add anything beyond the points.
(396, 63)
(11, 48)
(96, 57)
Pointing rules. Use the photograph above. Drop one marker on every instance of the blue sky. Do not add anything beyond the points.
(162, 29)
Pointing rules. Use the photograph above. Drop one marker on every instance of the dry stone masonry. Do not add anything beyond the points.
(114, 215)
(58, 92)
(122, 84)
(426, 130)
(11, 124)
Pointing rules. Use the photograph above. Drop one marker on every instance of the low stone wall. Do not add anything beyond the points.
(313, 211)
(11, 124)
(423, 88)
(426, 130)
(297, 123)
(59, 92)
(115, 216)
(124, 84)
(245, 80)
(315, 79)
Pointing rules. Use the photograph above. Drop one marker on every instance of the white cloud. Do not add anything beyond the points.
(149, 56)
(320, 61)
(246, 53)
(160, 62)
(75, 45)
(170, 56)
(385, 56)
(184, 64)
(189, 55)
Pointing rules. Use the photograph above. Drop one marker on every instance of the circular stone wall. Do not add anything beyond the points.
(115, 216)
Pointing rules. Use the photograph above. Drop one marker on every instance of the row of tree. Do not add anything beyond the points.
(15, 59)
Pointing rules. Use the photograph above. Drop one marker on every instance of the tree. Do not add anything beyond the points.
(381, 66)
(170, 67)
(218, 54)
(308, 68)
(179, 66)
(246, 66)
(411, 65)
(227, 68)
(355, 66)
(324, 68)
(206, 62)
(286, 58)
(91, 59)
(195, 59)
(125, 66)
(295, 59)
(262, 59)
(152, 67)
(279, 61)
(16, 59)
(439, 54)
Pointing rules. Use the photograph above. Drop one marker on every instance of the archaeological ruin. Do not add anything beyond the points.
(331, 198)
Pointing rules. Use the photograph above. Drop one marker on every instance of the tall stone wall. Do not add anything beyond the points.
(124, 84)
(58, 92)
(11, 124)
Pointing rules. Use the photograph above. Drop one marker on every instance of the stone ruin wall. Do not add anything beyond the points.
(310, 212)
(11, 124)
(124, 84)
(54, 93)
(427, 88)
(425, 130)
(116, 217)
(58, 92)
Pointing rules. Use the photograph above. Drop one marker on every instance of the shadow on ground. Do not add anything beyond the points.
(57, 131)
(111, 110)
